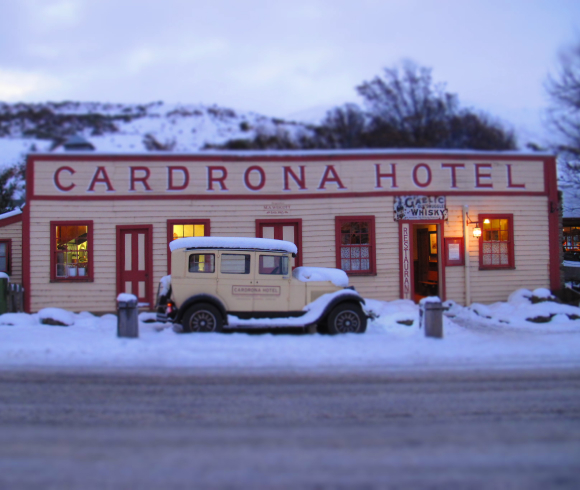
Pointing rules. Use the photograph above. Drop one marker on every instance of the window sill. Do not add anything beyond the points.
(79, 279)
(497, 268)
(360, 273)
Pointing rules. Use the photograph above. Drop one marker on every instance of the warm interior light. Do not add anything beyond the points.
(477, 232)
(486, 221)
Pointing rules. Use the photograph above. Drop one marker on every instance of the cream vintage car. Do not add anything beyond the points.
(221, 283)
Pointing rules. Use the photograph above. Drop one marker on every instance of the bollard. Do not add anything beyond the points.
(431, 316)
(4, 292)
(127, 319)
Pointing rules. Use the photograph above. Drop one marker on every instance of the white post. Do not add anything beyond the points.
(466, 256)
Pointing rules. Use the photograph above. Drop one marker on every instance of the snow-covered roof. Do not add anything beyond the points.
(290, 153)
(9, 214)
(238, 243)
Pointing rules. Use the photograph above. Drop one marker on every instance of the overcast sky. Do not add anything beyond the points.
(281, 58)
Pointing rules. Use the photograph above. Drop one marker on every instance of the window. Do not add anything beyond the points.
(355, 244)
(182, 228)
(5, 246)
(71, 251)
(235, 264)
(571, 238)
(202, 263)
(274, 264)
(496, 245)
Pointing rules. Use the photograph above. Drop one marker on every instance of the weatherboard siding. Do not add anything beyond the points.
(237, 218)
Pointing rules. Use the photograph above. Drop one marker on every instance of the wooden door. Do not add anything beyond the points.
(284, 229)
(134, 262)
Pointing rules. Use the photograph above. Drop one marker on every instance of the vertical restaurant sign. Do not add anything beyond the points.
(419, 207)
(406, 262)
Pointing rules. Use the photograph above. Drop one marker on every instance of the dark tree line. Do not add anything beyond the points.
(404, 108)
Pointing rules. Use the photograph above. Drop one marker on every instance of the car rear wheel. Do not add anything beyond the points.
(347, 318)
(202, 317)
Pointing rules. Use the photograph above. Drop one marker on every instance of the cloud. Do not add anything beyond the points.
(17, 85)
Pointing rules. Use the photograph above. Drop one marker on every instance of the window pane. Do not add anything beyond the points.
(177, 231)
(235, 264)
(364, 238)
(345, 252)
(3, 249)
(202, 263)
(365, 264)
(198, 230)
(504, 236)
(187, 230)
(355, 252)
(273, 264)
(364, 252)
(345, 264)
(504, 259)
(487, 260)
(344, 238)
(3, 265)
(355, 265)
(495, 224)
(503, 224)
(71, 250)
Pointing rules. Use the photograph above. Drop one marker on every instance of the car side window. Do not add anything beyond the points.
(202, 263)
(235, 264)
(274, 264)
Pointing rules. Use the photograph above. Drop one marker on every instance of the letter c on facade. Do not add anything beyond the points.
(57, 183)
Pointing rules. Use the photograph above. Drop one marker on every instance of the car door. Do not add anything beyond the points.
(235, 280)
(272, 282)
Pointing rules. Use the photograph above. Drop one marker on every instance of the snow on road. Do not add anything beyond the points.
(478, 337)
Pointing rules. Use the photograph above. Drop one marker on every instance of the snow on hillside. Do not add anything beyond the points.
(123, 127)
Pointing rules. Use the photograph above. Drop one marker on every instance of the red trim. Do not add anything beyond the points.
(511, 243)
(551, 182)
(373, 258)
(26, 242)
(8, 242)
(149, 293)
(10, 221)
(401, 264)
(170, 222)
(90, 251)
(440, 254)
(251, 156)
(318, 195)
(297, 222)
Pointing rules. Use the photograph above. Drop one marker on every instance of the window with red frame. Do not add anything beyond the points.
(5, 256)
(71, 249)
(496, 242)
(355, 244)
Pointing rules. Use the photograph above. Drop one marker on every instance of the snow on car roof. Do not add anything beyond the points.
(233, 242)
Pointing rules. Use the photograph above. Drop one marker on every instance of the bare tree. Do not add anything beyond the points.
(564, 92)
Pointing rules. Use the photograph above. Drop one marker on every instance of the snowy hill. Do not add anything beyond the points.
(128, 127)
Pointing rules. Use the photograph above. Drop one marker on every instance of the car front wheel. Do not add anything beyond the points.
(202, 317)
(347, 318)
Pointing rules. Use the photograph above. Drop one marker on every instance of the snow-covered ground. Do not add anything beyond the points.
(480, 336)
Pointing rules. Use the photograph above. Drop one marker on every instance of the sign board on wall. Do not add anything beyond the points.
(419, 207)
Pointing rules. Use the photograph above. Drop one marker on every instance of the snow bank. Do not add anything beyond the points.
(9, 214)
(56, 316)
(497, 336)
(233, 242)
(306, 274)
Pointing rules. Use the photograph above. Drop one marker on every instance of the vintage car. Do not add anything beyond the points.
(240, 283)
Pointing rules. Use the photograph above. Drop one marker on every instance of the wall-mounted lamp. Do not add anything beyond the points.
(477, 229)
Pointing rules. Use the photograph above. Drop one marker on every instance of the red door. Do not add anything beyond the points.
(134, 262)
(284, 229)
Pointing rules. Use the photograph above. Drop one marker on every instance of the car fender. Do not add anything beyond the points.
(354, 297)
(202, 298)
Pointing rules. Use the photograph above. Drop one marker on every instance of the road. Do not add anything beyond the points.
(497, 429)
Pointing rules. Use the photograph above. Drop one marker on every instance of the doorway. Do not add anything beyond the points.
(426, 261)
(134, 262)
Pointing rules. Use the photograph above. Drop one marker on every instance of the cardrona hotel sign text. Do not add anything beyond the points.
(90, 178)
